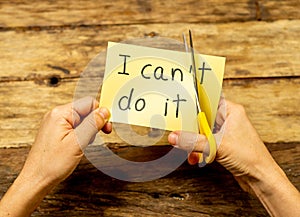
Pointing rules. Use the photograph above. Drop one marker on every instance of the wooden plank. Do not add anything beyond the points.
(23, 106)
(253, 49)
(188, 191)
(96, 12)
(276, 10)
(270, 103)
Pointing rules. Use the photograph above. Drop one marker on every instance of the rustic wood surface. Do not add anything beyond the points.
(209, 191)
(45, 45)
(24, 13)
(122, 12)
(252, 49)
(20, 118)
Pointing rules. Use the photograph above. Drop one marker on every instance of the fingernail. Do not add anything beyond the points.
(104, 113)
(173, 138)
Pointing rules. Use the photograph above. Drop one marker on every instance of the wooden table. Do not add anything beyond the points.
(45, 45)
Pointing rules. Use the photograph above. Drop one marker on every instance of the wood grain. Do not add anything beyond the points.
(209, 191)
(252, 49)
(269, 102)
(46, 13)
(27, 13)
(276, 10)
(45, 45)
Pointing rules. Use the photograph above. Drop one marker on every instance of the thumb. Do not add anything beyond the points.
(90, 126)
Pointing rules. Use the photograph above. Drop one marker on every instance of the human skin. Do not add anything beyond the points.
(244, 154)
(67, 130)
(58, 148)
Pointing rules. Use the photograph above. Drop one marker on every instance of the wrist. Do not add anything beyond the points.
(24, 195)
(264, 174)
(276, 192)
(35, 183)
(267, 181)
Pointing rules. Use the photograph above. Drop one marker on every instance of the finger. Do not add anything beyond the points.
(221, 114)
(193, 158)
(74, 112)
(107, 128)
(188, 141)
(85, 106)
(90, 126)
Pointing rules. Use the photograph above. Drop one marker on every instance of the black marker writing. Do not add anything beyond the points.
(125, 101)
(177, 70)
(161, 76)
(143, 104)
(124, 66)
(142, 72)
(177, 101)
(159, 73)
(203, 70)
(166, 107)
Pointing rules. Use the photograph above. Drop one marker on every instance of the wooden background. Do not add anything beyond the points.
(45, 45)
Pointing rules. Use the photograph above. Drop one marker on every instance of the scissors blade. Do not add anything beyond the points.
(202, 120)
(194, 71)
(185, 43)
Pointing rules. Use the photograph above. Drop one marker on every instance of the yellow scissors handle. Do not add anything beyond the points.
(205, 129)
(202, 120)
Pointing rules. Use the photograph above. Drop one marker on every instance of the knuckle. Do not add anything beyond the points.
(55, 112)
(91, 100)
(60, 111)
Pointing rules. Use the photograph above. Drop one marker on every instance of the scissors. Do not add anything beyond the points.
(201, 116)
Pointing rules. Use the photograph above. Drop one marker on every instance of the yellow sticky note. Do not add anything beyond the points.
(210, 73)
(153, 87)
